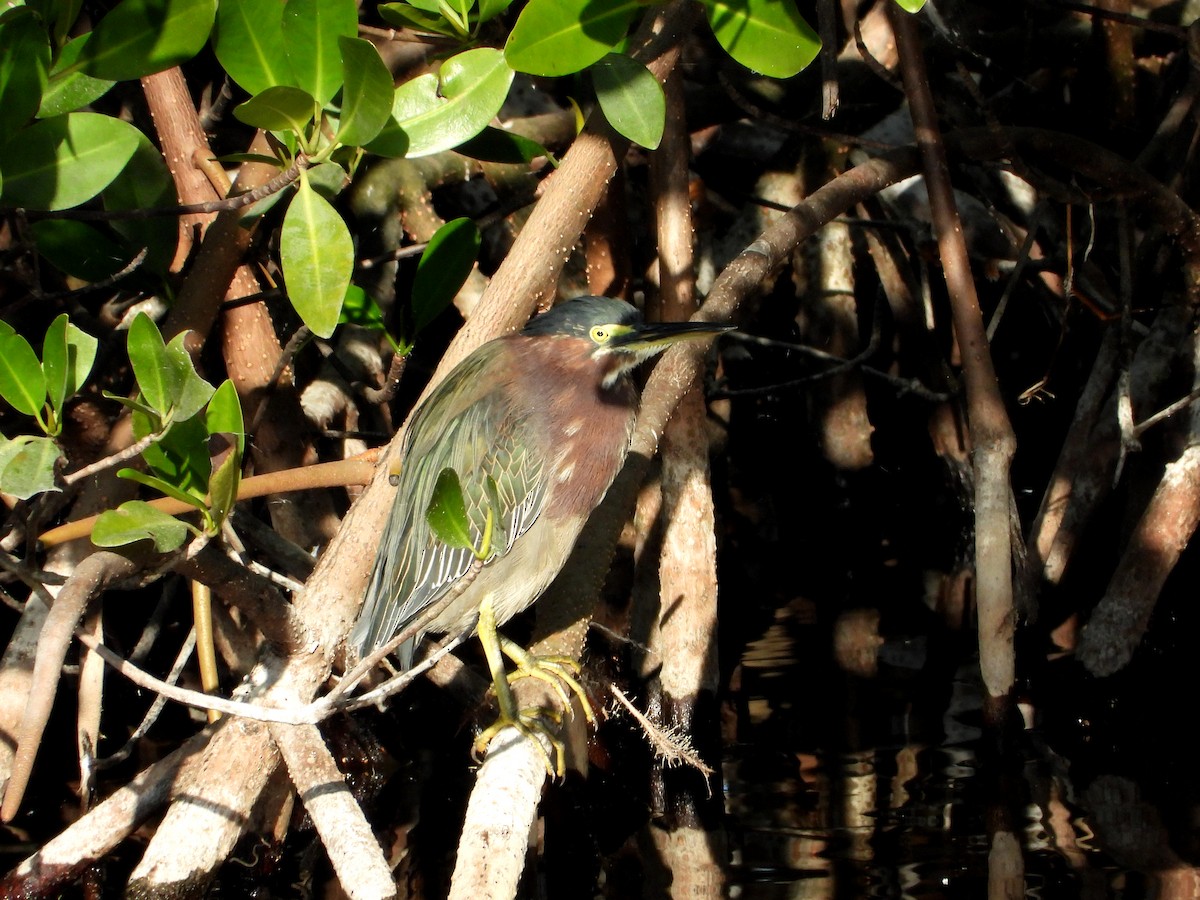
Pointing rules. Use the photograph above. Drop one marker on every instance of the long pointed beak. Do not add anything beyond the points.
(659, 335)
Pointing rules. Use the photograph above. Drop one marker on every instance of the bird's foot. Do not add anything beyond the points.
(530, 723)
(559, 672)
(536, 722)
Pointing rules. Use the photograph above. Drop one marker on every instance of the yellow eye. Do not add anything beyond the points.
(600, 334)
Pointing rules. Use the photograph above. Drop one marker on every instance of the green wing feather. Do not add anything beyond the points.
(481, 436)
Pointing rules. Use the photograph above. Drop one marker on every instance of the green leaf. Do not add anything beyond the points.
(359, 309)
(67, 357)
(81, 355)
(141, 37)
(68, 88)
(434, 113)
(631, 98)
(317, 255)
(24, 68)
(489, 9)
(143, 413)
(62, 162)
(193, 391)
(162, 486)
(558, 37)
(279, 108)
(248, 41)
(226, 476)
(455, 13)
(144, 183)
(224, 414)
(765, 36)
(78, 249)
(366, 92)
(311, 29)
(179, 456)
(22, 383)
(138, 521)
(27, 466)
(54, 361)
(401, 15)
(500, 146)
(327, 179)
(226, 447)
(158, 380)
(911, 6)
(447, 512)
(59, 15)
(444, 266)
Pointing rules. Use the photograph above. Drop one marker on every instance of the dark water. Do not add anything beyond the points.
(883, 784)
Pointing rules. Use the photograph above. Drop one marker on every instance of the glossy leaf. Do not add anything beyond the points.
(138, 521)
(327, 179)
(162, 486)
(225, 478)
(64, 161)
(59, 15)
(489, 9)
(317, 254)
(157, 379)
(27, 466)
(142, 413)
(911, 6)
(558, 37)
(456, 12)
(359, 309)
(402, 15)
(67, 356)
(765, 36)
(224, 414)
(311, 29)
(78, 249)
(435, 113)
(500, 146)
(447, 512)
(179, 456)
(193, 392)
(144, 183)
(631, 98)
(24, 68)
(248, 41)
(141, 37)
(22, 383)
(366, 92)
(278, 109)
(70, 89)
(444, 266)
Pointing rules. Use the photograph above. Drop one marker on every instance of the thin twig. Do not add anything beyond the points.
(156, 708)
(237, 201)
(128, 269)
(117, 458)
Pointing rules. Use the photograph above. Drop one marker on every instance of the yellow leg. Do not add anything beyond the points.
(555, 671)
(529, 722)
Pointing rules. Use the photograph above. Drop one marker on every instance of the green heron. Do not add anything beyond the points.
(536, 425)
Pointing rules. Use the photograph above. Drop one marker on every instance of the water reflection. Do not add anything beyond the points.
(846, 786)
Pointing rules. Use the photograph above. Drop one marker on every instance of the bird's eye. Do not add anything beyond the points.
(600, 334)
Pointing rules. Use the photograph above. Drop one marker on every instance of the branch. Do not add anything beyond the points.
(991, 432)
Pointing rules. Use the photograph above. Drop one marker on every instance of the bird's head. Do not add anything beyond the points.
(618, 336)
